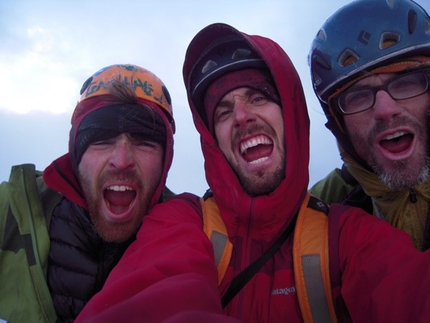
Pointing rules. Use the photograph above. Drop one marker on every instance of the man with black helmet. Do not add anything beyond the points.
(240, 254)
(370, 68)
(61, 232)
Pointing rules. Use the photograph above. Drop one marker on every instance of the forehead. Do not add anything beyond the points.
(374, 79)
(241, 92)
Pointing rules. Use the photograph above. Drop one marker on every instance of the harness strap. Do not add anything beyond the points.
(216, 231)
(310, 256)
(310, 260)
(244, 276)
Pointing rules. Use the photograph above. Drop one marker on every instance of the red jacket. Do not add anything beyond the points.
(168, 274)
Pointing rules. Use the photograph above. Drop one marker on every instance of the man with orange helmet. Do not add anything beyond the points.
(64, 230)
(370, 67)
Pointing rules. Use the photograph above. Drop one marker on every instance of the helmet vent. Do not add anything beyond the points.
(427, 27)
(391, 3)
(388, 39)
(412, 21)
(240, 53)
(321, 62)
(208, 66)
(347, 58)
(322, 35)
(317, 79)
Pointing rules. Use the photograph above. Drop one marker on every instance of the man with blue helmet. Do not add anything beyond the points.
(370, 69)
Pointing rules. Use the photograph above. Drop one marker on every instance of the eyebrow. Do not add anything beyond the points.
(366, 86)
(247, 94)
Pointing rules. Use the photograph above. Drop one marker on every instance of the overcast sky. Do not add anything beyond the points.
(49, 48)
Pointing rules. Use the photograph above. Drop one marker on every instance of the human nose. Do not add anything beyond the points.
(385, 107)
(243, 114)
(122, 156)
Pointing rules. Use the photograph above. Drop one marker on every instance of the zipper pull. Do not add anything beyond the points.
(412, 195)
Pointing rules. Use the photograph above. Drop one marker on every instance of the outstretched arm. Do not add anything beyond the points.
(168, 273)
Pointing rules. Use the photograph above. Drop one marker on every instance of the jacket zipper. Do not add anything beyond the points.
(412, 195)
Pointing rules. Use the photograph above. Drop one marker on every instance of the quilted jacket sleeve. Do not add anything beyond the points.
(384, 278)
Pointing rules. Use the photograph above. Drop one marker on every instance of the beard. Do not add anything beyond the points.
(264, 184)
(397, 174)
(261, 183)
(114, 231)
(403, 176)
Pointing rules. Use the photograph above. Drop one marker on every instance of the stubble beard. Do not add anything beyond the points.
(262, 183)
(399, 173)
(402, 175)
(113, 232)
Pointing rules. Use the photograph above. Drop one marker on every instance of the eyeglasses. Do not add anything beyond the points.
(402, 87)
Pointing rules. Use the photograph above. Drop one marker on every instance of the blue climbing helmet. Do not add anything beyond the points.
(363, 35)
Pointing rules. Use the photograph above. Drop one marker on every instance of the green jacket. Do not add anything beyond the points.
(406, 208)
(24, 247)
(333, 188)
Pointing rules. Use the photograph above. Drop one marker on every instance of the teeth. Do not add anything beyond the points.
(395, 135)
(119, 188)
(260, 140)
(260, 160)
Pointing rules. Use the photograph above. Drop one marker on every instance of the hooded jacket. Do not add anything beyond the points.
(168, 274)
(357, 184)
(52, 262)
(406, 208)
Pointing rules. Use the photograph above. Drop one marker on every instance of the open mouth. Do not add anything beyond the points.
(398, 142)
(119, 198)
(257, 149)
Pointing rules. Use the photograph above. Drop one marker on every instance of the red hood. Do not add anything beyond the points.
(270, 212)
(61, 175)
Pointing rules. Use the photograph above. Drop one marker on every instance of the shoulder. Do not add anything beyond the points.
(182, 206)
(333, 188)
(21, 186)
(361, 227)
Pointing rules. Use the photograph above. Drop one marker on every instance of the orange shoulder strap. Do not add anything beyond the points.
(310, 256)
(215, 229)
(311, 263)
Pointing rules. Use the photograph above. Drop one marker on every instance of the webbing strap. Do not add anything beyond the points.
(311, 263)
(219, 241)
(310, 250)
(315, 289)
(245, 275)
(215, 229)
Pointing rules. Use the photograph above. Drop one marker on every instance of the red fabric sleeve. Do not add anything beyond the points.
(169, 269)
(384, 278)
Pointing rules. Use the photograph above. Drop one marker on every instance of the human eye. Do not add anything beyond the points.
(142, 141)
(102, 143)
(146, 146)
(222, 113)
(407, 84)
(148, 143)
(258, 99)
(355, 100)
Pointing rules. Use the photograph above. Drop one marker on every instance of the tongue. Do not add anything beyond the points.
(119, 201)
(257, 152)
(397, 145)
